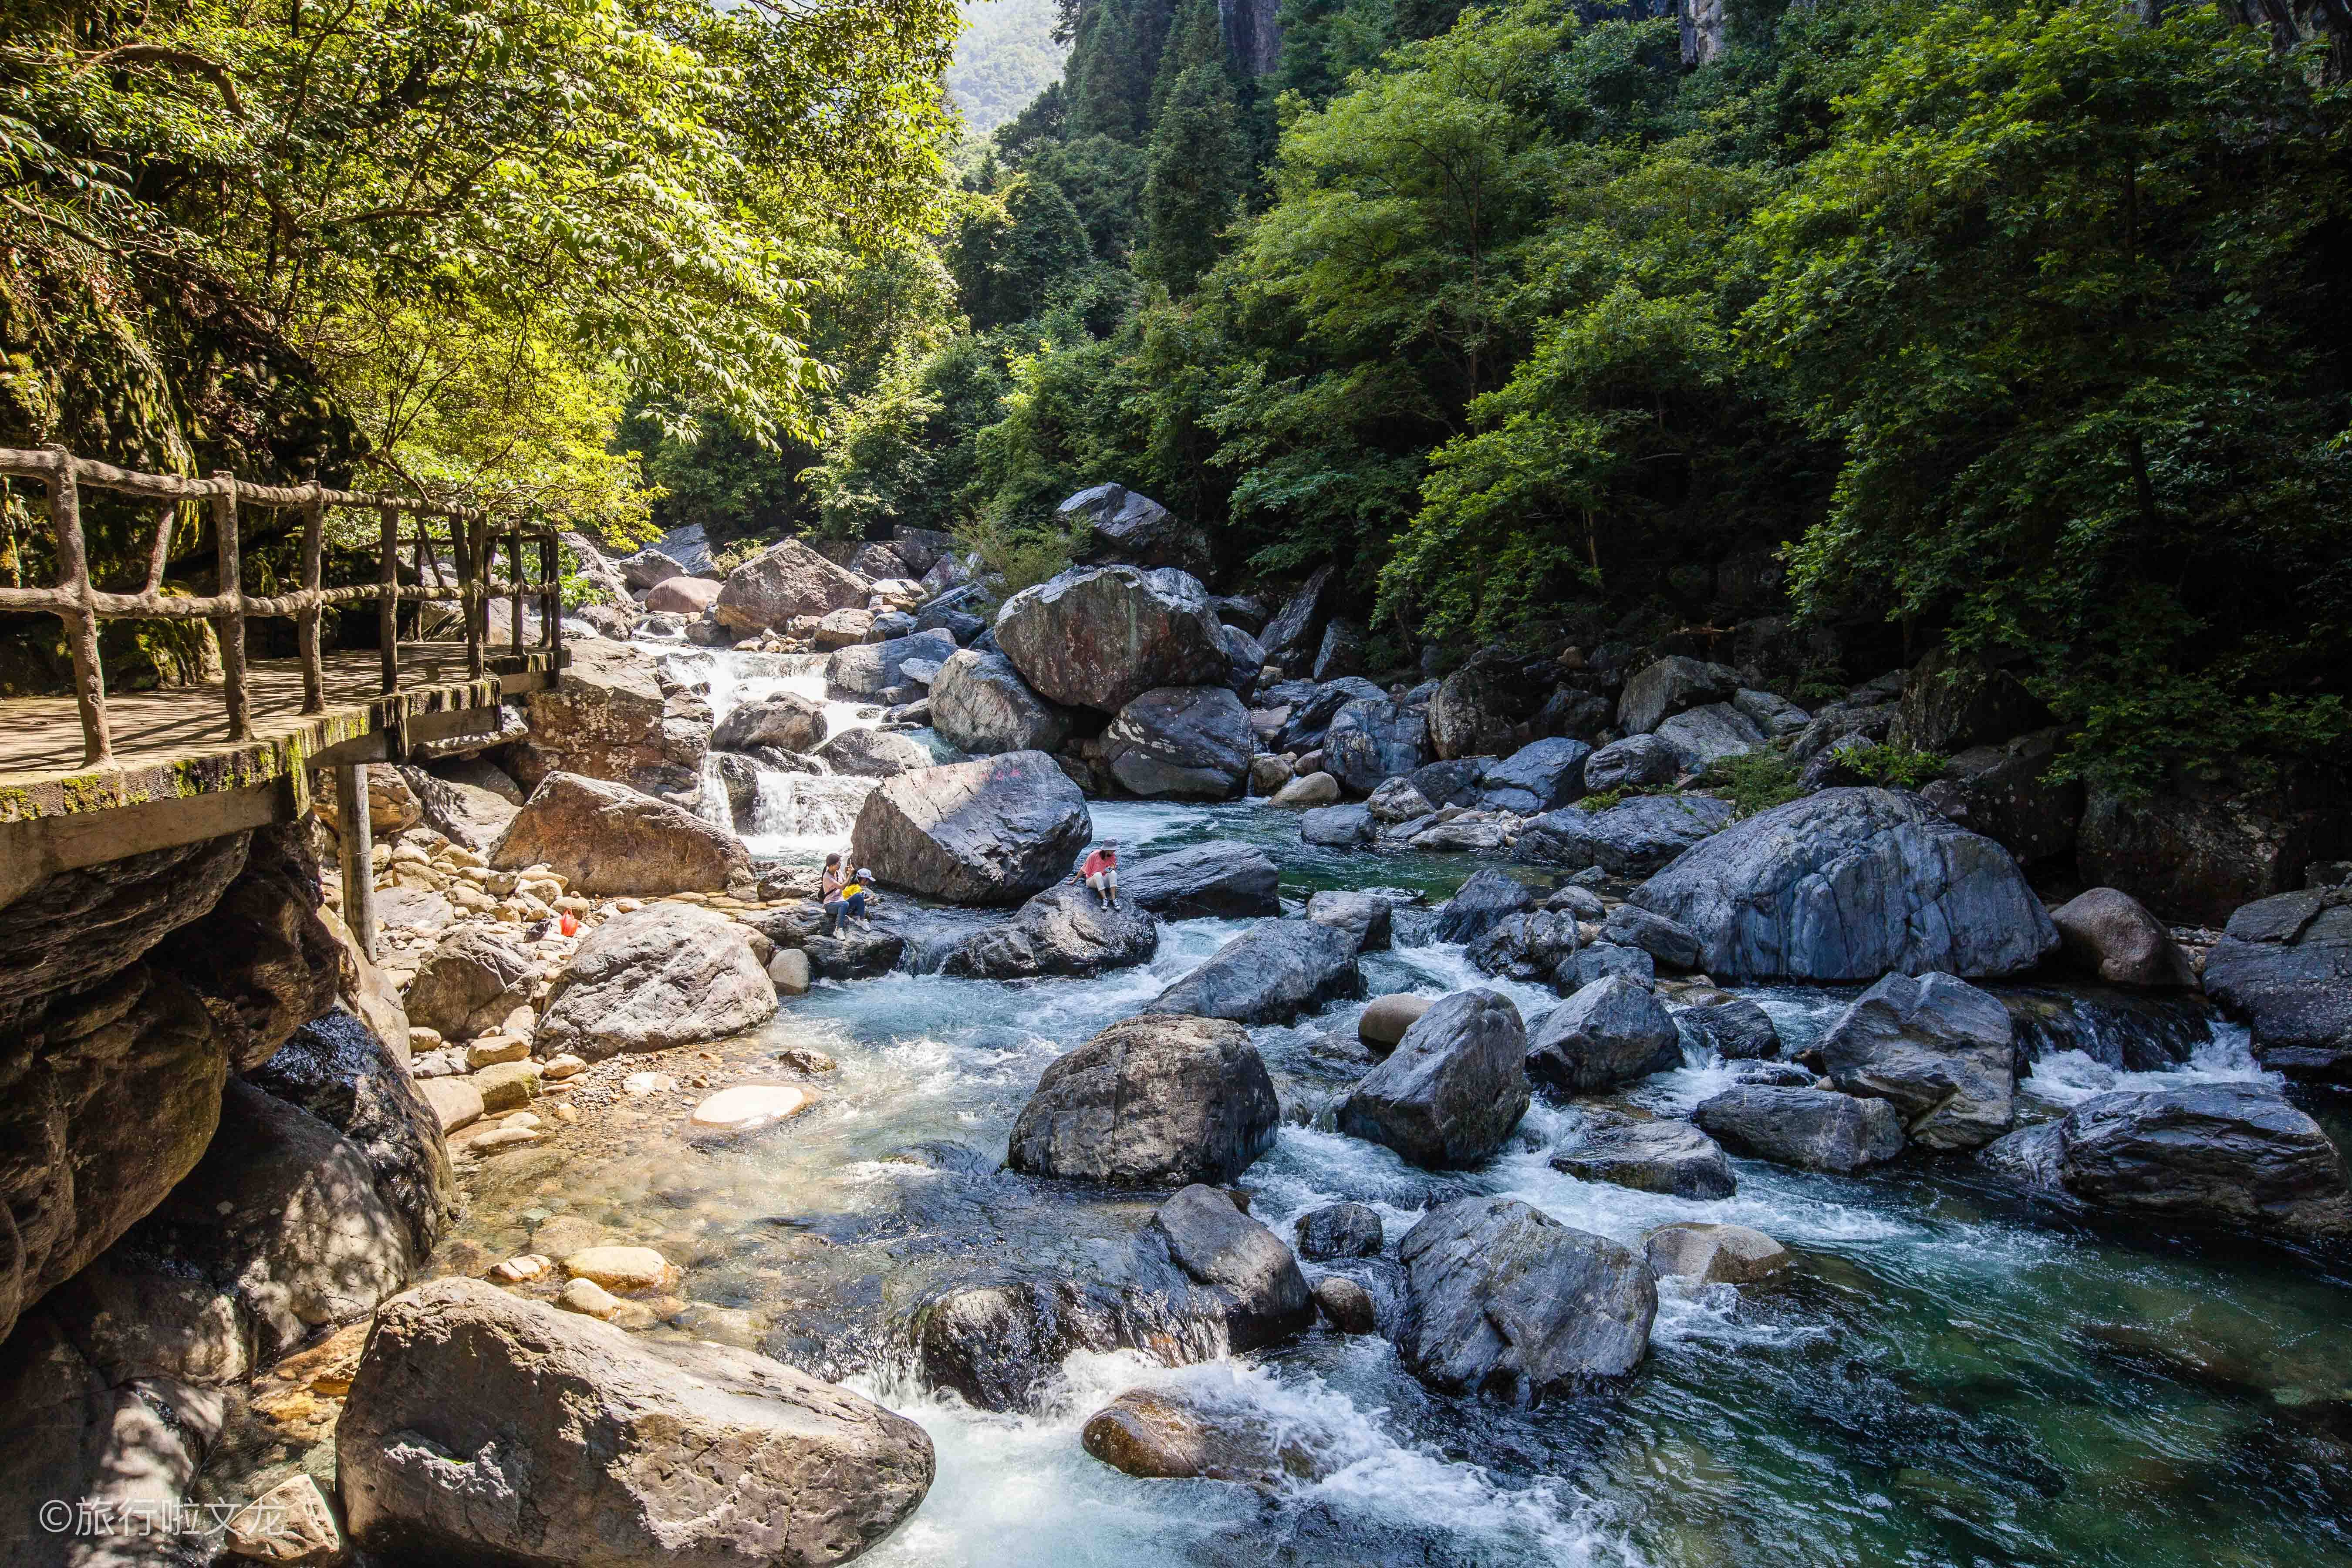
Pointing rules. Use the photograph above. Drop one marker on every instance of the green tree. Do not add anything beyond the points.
(1197, 173)
(1013, 248)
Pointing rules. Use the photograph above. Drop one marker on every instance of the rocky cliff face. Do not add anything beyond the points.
(1252, 33)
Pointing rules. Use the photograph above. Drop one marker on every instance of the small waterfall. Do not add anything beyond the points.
(2119, 1029)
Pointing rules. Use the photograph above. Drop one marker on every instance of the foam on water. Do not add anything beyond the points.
(2070, 1077)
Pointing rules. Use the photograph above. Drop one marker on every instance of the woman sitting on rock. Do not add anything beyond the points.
(1101, 873)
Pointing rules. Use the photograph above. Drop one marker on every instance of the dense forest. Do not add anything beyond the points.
(1007, 55)
(2015, 328)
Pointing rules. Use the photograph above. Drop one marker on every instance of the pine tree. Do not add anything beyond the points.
(1199, 168)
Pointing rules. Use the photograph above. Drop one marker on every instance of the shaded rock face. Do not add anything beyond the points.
(786, 580)
(2198, 849)
(1663, 1156)
(1713, 1254)
(1633, 763)
(1367, 917)
(1340, 1230)
(2001, 792)
(1664, 940)
(1199, 1281)
(608, 838)
(1953, 701)
(1671, 685)
(469, 984)
(784, 720)
(1817, 1129)
(1737, 1030)
(482, 1427)
(262, 959)
(1297, 630)
(1159, 1098)
(1189, 742)
(872, 755)
(1129, 528)
(870, 668)
(994, 831)
(473, 815)
(1540, 776)
(1270, 974)
(1216, 879)
(1341, 652)
(1938, 1049)
(1505, 1302)
(2110, 934)
(1706, 734)
(1478, 709)
(1851, 884)
(1244, 659)
(1631, 839)
(1528, 947)
(1100, 637)
(665, 975)
(1612, 1032)
(1311, 714)
(2284, 965)
(1368, 743)
(1481, 904)
(2229, 1157)
(1064, 930)
(604, 721)
(979, 703)
(1455, 1089)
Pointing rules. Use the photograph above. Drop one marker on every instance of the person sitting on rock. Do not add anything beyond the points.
(850, 904)
(1101, 873)
(828, 886)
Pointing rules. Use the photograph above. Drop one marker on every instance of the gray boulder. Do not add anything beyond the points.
(1817, 1129)
(1369, 742)
(1629, 925)
(1366, 917)
(994, 831)
(1636, 761)
(1346, 827)
(1478, 709)
(609, 838)
(1938, 1049)
(1101, 637)
(1451, 782)
(1507, 1303)
(2004, 792)
(1395, 800)
(1540, 776)
(1312, 713)
(1737, 1030)
(1270, 974)
(1064, 930)
(1190, 742)
(482, 1427)
(870, 668)
(1341, 652)
(665, 975)
(2109, 933)
(1612, 1032)
(465, 814)
(1340, 1230)
(2233, 1158)
(1665, 1156)
(469, 984)
(1706, 734)
(1528, 947)
(1480, 904)
(1453, 1090)
(1848, 885)
(783, 582)
(1157, 1098)
(1633, 838)
(1131, 528)
(980, 704)
(1669, 687)
(1295, 634)
(2284, 965)
(1777, 717)
(861, 752)
(1219, 878)
(1244, 659)
(1599, 959)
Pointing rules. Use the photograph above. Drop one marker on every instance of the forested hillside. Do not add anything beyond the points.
(1006, 56)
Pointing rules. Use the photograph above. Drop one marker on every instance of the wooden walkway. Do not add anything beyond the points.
(177, 777)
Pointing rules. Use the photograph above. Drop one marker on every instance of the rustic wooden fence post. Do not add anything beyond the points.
(514, 608)
(551, 612)
(306, 620)
(357, 847)
(229, 626)
(82, 623)
(387, 613)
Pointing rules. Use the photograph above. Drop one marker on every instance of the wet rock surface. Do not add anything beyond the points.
(1819, 1130)
(2284, 965)
(1217, 878)
(1608, 1033)
(1065, 929)
(1454, 1088)
(1656, 1156)
(1163, 1097)
(1937, 1048)
(994, 831)
(1269, 974)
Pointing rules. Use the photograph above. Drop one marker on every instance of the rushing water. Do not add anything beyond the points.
(1945, 1379)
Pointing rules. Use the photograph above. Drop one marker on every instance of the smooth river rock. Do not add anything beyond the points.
(1660, 1156)
(1938, 1049)
(1455, 1089)
(1269, 974)
(609, 838)
(1163, 1097)
(1818, 1129)
(1100, 637)
(658, 977)
(1064, 930)
(994, 831)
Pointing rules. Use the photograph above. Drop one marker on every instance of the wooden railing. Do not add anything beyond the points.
(473, 538)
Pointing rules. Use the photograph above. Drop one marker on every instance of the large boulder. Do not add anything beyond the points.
(1244, 659)
(1671, 685)
(2233, 1158)
(1706, 734)
(2004, 792)
(1818, 1129)
(1159, 1098)
(2201, 845)
(871, 667)
(1100, 637)
(1612, 1032)
(1482, 903)
(1189, 741)
(783, 582)
(1219, 878)
(1368, 918)
(1064, 930)
(1368, 743)
(2109, 933)
(1312, 712)
(1269, 974)
(1347, 826)
(1294, 634)
(468, 814)
(682, 595)
(1527, 947)
(482, 1427)
(862, 752)
(1633, 838)
(1851, 884)
(469, 984)
(1664, 1156)
(608, 838)
(2284, 965)
(1129, 528)
(1478, 709)
(1938, 1049)
(980, 704)
(1634, 762)
(1341, 651)
(1504, 1301)
(262, 959)
(648, 567)
(994, 831)
(1540, 776)
(784, 720)
(602, 720)
(1453, 1090)
(665, 975)
(1666, 942)
(1737, 1030)
(1340, 1230)
(1953, 701)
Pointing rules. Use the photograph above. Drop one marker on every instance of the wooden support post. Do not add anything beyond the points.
(551, 612)
(388, 614)
(514, 610)
(358, 855)
(81, 624)
(229, 628)
(307, 622)
(465, 542)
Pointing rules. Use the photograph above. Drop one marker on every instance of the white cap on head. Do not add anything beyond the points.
(864, 875)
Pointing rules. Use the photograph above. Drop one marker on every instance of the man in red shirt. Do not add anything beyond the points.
(1101, 873)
